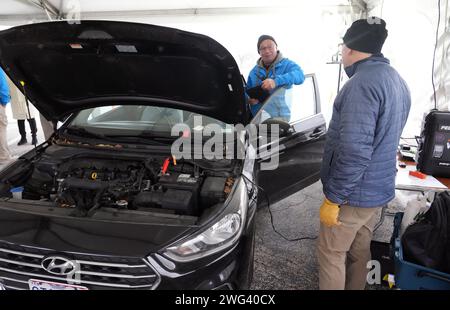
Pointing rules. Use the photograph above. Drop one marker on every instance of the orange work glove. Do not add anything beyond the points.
(329, 213)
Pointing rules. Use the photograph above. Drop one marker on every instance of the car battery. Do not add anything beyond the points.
(433, 155)
(181, 192)
(180, 181)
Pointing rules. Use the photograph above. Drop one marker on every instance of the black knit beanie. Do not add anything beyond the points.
(263, 38)
(366, 35)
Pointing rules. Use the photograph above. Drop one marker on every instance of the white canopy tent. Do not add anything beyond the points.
(306, 31)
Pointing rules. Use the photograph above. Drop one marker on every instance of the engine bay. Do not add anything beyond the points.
(86, 183)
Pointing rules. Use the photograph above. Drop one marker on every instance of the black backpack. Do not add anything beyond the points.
(427, 242)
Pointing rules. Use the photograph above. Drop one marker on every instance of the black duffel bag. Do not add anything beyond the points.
(426, 242)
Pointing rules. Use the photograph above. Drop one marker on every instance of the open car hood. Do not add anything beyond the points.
(70, 67)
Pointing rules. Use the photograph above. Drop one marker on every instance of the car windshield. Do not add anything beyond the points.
(129, 120)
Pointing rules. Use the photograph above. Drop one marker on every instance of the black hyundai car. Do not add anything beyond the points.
(107, 202)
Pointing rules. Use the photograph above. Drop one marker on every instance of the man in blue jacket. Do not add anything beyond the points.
(4, 100)
(271, 72)
(359, 164)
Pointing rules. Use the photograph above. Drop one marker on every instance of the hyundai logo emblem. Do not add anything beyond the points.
(58, 265)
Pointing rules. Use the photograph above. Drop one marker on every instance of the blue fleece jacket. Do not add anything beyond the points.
(285, 73)
(4, 88)
(359, 164)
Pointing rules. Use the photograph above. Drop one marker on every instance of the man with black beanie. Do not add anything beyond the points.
(359, 163)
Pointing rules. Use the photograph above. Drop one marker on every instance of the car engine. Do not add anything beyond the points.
(162, 184)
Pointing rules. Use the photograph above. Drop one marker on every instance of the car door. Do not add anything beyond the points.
(292, 160)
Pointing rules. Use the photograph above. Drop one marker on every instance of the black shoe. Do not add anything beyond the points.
(22, 141)
(34, 140)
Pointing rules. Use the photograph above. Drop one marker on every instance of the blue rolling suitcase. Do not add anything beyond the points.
(409, 276)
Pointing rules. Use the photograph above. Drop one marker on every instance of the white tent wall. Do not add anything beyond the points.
(442, 66)
(308, 32)
(412, 27)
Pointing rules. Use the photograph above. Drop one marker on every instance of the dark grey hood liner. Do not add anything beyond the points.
(122, 63)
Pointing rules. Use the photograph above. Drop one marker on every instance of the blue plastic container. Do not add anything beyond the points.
(409, 276)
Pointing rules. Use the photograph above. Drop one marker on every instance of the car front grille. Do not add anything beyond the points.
(19, 263)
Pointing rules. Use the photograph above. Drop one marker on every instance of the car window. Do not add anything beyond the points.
(303, 100)
(291, 104)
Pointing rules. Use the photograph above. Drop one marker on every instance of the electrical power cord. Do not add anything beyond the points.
(271, 215)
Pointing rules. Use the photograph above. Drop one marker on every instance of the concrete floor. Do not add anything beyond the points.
(284, 265)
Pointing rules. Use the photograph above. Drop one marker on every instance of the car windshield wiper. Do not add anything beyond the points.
(147, 135)
(143, 138)
(138, 139)
(82, 132)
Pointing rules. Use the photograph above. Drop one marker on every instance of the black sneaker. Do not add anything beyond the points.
(22, 141)
(34, 140)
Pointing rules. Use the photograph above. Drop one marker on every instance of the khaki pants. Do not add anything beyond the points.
(4, 149)
(344, 251)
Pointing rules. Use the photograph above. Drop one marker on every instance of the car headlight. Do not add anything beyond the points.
(221, 235)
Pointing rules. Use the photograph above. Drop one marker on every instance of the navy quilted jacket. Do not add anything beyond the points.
(369, 114)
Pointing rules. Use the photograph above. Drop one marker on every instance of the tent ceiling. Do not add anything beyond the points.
(29, 7)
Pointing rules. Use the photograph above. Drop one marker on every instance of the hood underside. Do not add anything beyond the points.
(70, 67)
